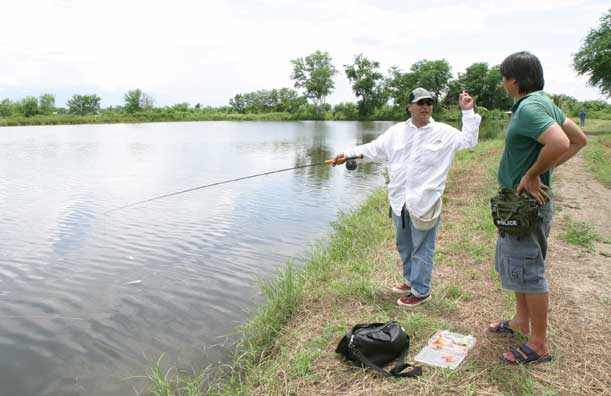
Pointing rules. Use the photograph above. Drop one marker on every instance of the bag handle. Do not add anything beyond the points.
(396, 371)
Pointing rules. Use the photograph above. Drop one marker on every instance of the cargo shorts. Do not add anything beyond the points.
(520, 261)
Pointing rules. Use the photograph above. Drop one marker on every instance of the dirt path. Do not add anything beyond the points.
(580, 286)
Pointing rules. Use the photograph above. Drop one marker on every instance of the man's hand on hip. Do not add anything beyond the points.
(534, 187)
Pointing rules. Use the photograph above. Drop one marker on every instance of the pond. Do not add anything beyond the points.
(91, 298)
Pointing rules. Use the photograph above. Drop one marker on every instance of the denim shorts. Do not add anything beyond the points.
(520, 261)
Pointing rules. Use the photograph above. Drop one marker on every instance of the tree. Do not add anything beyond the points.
(399, 85)
(314, 74)
(264, 101)
(136, 100)
(289, 100)
(495, 97)
(6, 108)
(238, 102)
(132, 100)
(594, 56)
(84, 104)
(474, 80)
(28, 106)
(146, 101)
(564, 102)
(180, 107)
(367, 83)
(483, 83)
(46, 103)
(432, 75)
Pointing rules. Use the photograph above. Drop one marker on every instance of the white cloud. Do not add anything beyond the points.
(207, 51)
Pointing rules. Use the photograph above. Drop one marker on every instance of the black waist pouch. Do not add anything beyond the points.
(376, 345)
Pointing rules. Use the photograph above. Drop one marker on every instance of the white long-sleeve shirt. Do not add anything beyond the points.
(419, 159)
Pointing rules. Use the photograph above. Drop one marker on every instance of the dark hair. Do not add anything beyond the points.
(526, 69)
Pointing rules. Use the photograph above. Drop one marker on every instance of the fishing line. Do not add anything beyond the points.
(350, 165)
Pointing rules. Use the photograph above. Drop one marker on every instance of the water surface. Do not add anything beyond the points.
(89, 299)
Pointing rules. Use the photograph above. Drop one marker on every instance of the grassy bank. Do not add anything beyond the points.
(598, 151)
(67, 119)
(288, 346)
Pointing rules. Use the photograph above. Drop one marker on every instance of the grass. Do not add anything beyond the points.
(580, 234)
(598, 151)
(174, 383)
(596, 127)
(598, 156)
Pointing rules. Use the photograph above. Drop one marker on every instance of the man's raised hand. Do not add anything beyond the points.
(465, 101)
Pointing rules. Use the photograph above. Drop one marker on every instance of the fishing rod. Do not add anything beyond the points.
(350, 165)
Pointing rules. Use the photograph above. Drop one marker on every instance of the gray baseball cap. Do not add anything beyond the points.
(419, 93)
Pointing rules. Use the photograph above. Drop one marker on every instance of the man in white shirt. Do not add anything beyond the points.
(419, 153)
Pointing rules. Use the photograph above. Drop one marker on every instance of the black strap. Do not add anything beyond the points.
(402, 215)
(396, 371)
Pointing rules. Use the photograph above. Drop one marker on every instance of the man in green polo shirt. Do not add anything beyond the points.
(539, 137)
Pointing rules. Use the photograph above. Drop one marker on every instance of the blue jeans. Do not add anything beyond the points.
(416, 249)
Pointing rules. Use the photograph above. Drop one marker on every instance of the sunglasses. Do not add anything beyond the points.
(422, 102)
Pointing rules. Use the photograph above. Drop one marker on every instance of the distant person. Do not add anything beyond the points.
(539, 137)
(582, 118)
(419, 153)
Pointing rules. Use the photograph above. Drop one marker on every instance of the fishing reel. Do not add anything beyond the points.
(349, 161)
(351, 164)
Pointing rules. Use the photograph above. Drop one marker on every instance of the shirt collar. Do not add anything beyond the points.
(409, 123)
(516, 104)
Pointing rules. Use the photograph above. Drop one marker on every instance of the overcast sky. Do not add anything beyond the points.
(200, 51)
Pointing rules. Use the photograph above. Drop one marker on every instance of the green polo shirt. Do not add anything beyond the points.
(531, 116)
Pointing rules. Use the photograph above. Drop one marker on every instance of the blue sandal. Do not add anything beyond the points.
(502, 328)
(532, 357)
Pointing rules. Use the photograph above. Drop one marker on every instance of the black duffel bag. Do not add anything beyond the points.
(376, 345)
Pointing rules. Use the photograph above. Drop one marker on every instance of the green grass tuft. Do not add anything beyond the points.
(283, 295)
(580, 234)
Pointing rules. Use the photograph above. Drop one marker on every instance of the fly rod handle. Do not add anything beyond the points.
(346, 159)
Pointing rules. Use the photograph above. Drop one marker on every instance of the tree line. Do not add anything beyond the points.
(378, 95)
(135, 101)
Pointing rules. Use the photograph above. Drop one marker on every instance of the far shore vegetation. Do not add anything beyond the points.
(378, 96)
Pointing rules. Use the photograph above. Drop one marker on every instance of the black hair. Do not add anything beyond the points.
(526, 69)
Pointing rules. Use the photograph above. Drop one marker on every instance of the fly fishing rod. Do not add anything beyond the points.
(350, 165)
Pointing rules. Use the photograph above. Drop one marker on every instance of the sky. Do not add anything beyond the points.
(207, 51)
